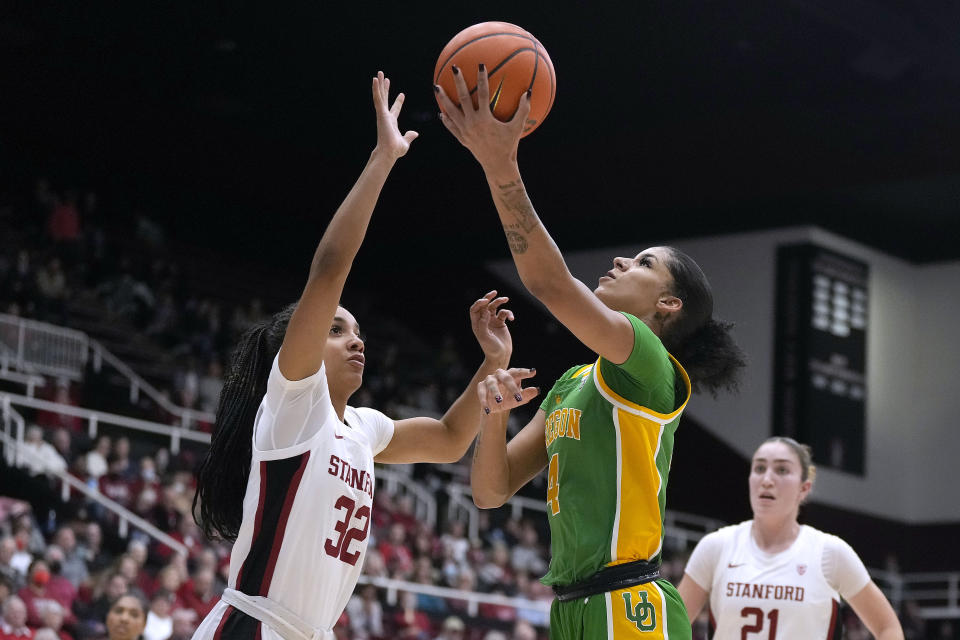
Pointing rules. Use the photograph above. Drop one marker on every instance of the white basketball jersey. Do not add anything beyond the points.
(306, 513)
(792, 594)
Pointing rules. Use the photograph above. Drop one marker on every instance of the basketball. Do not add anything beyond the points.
(515, 61)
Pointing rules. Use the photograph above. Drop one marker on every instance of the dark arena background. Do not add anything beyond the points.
(167, 169)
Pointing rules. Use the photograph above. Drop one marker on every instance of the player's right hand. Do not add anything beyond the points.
(502, 390)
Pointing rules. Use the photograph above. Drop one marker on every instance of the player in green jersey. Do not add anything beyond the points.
(605, 430)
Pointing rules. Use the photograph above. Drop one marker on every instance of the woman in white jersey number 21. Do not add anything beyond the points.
(771, 577)
(289, 474)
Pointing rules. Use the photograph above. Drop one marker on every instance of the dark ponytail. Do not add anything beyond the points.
(223, 473)
(701, 343)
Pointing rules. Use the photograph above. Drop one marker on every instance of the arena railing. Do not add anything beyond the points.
(16, 452)
(36, 347)
(48, 349)
(937, 594)
(95, 418)
(682, 529)
(398, 483)
(473, 598)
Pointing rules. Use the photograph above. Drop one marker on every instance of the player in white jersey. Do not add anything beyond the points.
(289, 473)
(770, 577)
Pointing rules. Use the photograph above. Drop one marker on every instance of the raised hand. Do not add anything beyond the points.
(389, 138)
(501, 390)
(492, 142)
(489, 324)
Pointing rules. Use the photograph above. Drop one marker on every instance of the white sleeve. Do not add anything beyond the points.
(379, 428)
(842, 567)
(292, 411)
(703, 561)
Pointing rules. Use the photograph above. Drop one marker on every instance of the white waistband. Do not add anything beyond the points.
(289, 625)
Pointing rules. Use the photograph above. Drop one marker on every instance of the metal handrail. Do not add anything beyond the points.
(94, 418)
(473, 598)
(137, 383)
(425, 505)
(124, 515)
(87, 346)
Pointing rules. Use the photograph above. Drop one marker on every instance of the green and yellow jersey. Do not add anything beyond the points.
(609, 435)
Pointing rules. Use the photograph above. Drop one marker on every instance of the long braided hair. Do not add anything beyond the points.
(223, 473)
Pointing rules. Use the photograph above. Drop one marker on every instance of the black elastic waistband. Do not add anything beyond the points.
(612, 578)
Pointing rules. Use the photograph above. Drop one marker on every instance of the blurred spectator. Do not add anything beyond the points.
(160, 617)
(526, 556)
(53, 615)
(453, 629)
(126, 618)
(52, 290)
(210, 385)
(408, 621)
(120, 459)
(14, 625)
(63, 444)
(496, 571)
(41, 456)
(423, 574)
(7, 589)
(45, 633)
(455, 539)
(184, 624)
(373, 564)
(63, 225)
(8, 549)
(198, 592)
(495, 635)
(523, 631)
(112, 587)
(914, 625)
(61, 394)
(97, 458)
(34, 593)
(366, 614)
(396, 554)
(30, 541)
(92, 552)
(58, 587)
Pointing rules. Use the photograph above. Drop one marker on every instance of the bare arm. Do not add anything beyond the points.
(694, 597)
(538, 259)
(500, 469)
(302, 351)
(872, 607)
(447, 439)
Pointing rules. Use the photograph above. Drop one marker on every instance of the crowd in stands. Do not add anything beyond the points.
(59, 573)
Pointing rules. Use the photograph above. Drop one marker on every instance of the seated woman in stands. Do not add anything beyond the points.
(289, 474)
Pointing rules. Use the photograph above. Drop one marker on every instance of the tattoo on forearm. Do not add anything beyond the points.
(514, 198)
(476, 446)
(518, 244)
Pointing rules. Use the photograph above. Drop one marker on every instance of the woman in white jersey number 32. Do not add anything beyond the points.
(289, 474)
(771, 577)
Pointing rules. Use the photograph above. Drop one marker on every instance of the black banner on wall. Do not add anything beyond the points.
(821, 350)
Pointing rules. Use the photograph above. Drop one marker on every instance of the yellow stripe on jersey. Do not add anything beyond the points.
(637, 531)
(633, 407)
(637, 612)
(582, 371)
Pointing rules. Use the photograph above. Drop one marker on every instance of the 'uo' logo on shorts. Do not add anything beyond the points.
(644, 615)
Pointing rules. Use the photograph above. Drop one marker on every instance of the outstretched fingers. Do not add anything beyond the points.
(502, 390)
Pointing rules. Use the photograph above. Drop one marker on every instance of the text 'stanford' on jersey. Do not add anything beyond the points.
(609, 435)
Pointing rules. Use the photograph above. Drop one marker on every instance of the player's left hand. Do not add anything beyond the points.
(492, 143)
(389, 138)
(489, 324)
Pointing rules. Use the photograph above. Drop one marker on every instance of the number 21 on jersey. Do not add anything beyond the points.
(553, 484)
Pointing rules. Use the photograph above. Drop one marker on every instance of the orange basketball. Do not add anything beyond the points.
(515, 61)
